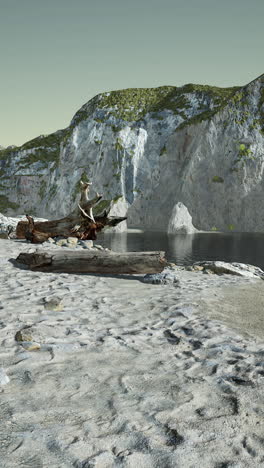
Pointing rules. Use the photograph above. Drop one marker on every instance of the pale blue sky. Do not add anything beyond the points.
(57, 54)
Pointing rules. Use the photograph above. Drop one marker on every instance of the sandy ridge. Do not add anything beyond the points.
(128, 374)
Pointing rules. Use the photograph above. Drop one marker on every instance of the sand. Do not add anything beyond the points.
(127, 374)
(239, 307)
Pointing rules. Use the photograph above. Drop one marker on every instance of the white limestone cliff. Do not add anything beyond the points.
(166, 157)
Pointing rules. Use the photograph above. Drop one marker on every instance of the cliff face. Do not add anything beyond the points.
(157, 153)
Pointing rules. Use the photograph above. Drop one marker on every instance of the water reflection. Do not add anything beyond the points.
(180, 248)
(117, 242)
(186, 249)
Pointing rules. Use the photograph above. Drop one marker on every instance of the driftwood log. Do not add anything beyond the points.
(80, 223)
(85, 261)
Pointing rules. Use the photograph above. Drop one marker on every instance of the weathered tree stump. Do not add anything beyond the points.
(80, 223)
(85, 261)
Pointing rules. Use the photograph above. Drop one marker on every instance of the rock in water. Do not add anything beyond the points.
(180, 221)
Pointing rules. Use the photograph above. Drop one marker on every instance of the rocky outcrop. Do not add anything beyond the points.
(180, 221)
(234, 268)
(170, 275)
(170, 158)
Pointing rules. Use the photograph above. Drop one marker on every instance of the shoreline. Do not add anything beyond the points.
(127, 374)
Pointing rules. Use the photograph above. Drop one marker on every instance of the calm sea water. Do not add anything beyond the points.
(187, 249)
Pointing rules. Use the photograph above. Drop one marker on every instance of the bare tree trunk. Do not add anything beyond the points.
(84, 261)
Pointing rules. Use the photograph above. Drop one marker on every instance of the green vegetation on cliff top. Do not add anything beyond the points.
(45, 148)
(133, 104)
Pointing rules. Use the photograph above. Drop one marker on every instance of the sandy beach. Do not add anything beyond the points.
(114, 372)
